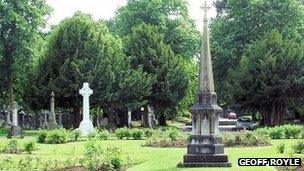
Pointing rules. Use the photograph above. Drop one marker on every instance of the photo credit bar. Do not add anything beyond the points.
(269, 161)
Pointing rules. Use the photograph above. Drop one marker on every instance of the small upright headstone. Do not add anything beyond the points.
(8, 117)
(60, 119)
(129, 117)
(151, 117)
(45, 124)
(15, 129)
(86, 125)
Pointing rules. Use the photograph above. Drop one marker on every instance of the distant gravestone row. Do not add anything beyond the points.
(48, 118)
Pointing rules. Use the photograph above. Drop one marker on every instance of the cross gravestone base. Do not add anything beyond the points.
(15, 131)
(86, 127)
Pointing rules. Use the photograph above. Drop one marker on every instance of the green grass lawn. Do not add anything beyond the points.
(161, 159)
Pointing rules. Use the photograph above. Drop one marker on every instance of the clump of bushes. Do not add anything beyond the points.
(41, 136)
(74, 135)
(148, 133)
(247, 138)
(167, 138)
(123, 133)
(56, 136)
(299, 147)
(103, 135)
(137, 134)
(98, 158)
(12, 147)
(29, 147)
(285, 131)
(281, 148)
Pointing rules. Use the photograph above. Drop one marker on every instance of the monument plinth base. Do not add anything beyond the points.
(205, 151)
(15, 131)
(86, 127)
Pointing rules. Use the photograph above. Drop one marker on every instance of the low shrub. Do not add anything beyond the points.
(281, 148)
(12, 147)
(299, 147)
(301, 135)
(228, 139)
(93, 134)
(276, 132)
(29, 147)
(98, 158)
(165, 143)
(74, 135)
(148, 133)
(41, 136)
(284, 131)
(247, 138)
(103, 135)
(174, 134)
(57, 136)
(291, 131)
(137, 134)
(122, 133)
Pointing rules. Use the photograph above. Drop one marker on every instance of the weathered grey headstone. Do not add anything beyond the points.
(15, 129)
(205, 148)
(60, 119)
(104, 122)
(151, 117)
(129, 117)
(86, 125)
(52, 116)
(8, 123)
(16, 107)
(45, 124)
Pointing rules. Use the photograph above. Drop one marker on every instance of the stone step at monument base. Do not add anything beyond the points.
(213, 164)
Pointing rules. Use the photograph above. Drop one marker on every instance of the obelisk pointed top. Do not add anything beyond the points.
(206, 83)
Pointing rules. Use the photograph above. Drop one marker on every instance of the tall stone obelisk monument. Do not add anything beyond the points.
(205, 148)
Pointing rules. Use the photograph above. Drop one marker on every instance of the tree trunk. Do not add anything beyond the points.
(162, 120)
(10, 94)
(111, 119)
(76, 116)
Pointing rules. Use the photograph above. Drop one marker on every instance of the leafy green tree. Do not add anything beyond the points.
(172, 18)
(20, 22)
(82, 50)
(269, 77)
(146, 49)
(244, 22)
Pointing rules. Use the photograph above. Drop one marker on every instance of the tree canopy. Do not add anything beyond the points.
(269, 77)
(146, 49)
(82, 50)
(172, 18)
(20, 22)
(243, 22)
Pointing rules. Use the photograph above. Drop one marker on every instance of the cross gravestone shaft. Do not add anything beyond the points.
(86, 125)
(86, 92)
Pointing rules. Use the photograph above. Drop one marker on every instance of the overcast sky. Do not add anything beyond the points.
(105, 9)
